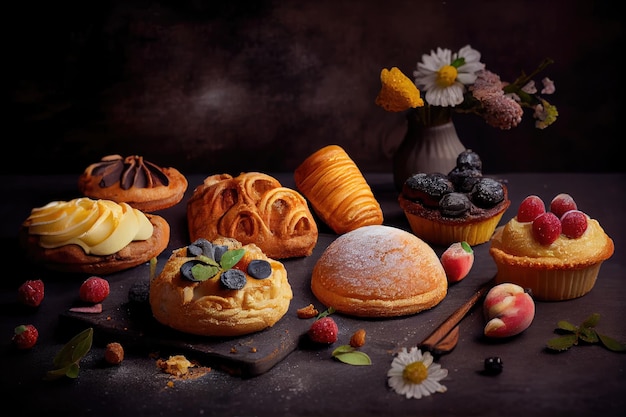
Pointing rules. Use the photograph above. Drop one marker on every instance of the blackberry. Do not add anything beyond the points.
(139, 292)
(487, 192)
(429, 188)
(464, 178)
(454, 204)
(469, 159)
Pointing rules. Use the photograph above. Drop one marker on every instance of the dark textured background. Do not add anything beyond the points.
(212, 87)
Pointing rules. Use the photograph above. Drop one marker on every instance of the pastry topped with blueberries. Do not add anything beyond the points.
(220, 288)
(462, 205)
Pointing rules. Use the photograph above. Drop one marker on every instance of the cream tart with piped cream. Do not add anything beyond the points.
(92, 236)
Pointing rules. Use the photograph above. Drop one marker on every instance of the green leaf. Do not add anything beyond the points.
(207, 260)
(75, 349)
(566, 325)
(591, 321)
(203, 272)
(327, 312)
(356, 358)
(351, 356)
(586, 332)
(72, 371)
(466, 247)
(562, 343)
(588, 335)
(343, 349)
(231, 257)
(611, 343)
(66, 361)
(55, 374)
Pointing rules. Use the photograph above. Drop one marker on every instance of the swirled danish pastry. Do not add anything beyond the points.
(337, 190)
(253, 208)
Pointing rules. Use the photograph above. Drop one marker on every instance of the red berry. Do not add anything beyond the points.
(25, 336)
(546, 228)
(530, 208)
(30, 293)
(324, 330)
(573, 223)
(94, 290)
(562, 203)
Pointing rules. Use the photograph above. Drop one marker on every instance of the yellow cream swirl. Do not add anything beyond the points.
(516, 238)
(100, 227)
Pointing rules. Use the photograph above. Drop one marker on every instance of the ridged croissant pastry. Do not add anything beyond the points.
(253, 208)
(337, 190)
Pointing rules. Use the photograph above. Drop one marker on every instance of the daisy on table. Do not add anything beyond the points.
(415, 375)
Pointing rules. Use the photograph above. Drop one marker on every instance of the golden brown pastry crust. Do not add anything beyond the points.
(148, 199)
(379, 271)
(253, 208)
(72, 258)
(208, 309)
(337, 190)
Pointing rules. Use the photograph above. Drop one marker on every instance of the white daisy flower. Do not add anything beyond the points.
(415, 375)
(443, 75)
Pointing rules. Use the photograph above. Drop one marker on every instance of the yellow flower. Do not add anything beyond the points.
(398, 93)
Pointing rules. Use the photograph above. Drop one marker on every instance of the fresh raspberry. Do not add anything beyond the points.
(94, 290)
(30, 293)
(530, 208)
(562, 203)
(25, 336)
(573, 223)
(546, 228)
(324, 330)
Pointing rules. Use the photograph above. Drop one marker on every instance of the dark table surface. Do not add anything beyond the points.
(585, 380)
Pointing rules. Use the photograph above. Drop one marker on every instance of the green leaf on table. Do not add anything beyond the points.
(592, 321)
(612, 344)
(351, 356)
(566, 325)
(586, 333)
(562, 343)
(66, 362)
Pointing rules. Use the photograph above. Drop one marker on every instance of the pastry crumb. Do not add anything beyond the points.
(176, 365)
(307, 312)
(180, 367)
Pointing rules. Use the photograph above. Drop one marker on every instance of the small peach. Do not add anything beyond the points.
(509, 310)
(457, 261)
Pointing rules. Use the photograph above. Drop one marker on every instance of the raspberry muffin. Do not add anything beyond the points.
(555, 253)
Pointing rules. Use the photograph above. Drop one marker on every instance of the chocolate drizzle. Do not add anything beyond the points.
(132, 171)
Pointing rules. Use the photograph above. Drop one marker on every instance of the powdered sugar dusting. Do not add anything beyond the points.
(379, 262)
